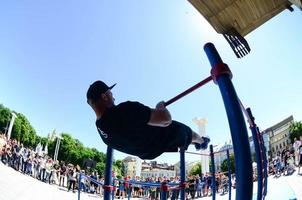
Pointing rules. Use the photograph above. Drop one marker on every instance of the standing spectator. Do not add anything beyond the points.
(121, 188)
(199, 186)
(175, 192)
(54, 173)
(72, 179)
(192, 185)
(36, 170)
(296, 146)
(277, 161)
(48, 168)
(16, 156)
(159, 180)
(208, 182)
(300, 159)
(83, 182)
(42, 168)
(2, 141)
(102, 180)
(5, 154)
(93, 182)
(63, 173)
(24, 160)
(233, 181)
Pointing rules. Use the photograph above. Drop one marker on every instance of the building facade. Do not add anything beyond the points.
(157, 172)
(132, 166)
(278, 136)
(154, 169)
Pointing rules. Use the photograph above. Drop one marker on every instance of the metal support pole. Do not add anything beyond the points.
(79, 186)
(255, 135)
(265, 175)
(213, 173)
(264, 160)
(108, 174)
(229, 174)
(244, 171)
(113, 185)
(57, 148)
(129, 191)
(182, 174)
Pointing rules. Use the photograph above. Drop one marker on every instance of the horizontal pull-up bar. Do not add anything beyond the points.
(191, 89)
(196, 153)
(204, 154)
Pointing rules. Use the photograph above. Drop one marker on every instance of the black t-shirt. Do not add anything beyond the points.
(125, 128)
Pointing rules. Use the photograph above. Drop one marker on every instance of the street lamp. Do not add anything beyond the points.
(59, 138)
(12, 120)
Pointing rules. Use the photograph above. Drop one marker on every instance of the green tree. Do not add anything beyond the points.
(5, 115)
(44, 141)
(27, 132)
(100, 167)
(16, 132)
(71, 150)
(196, 170)
(119, 168)
(32, 137)
(295, 131)
(224, 164)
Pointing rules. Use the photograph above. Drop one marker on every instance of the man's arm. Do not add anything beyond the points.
(160, 116)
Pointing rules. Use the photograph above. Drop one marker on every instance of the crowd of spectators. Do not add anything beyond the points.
(286, 161)
(37, 164)
(195, 187)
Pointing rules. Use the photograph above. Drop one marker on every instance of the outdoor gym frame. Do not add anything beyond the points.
(221, 75)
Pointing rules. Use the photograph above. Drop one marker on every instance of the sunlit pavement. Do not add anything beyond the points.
(17, 186)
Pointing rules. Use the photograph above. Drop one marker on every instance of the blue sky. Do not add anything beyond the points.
(52, 50)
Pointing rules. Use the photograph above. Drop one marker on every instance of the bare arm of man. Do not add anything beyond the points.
(160, 116)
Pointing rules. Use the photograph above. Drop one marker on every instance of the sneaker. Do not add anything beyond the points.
(203, 145)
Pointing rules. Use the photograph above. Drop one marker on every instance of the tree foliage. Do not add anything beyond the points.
(295, 131)
(224, 164)
(5, 115)
(71, 150)
(196, 170)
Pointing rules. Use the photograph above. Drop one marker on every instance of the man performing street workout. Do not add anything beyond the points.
(136, 129)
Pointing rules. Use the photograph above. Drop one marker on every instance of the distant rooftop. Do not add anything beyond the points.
(129, 159)
(280, 124)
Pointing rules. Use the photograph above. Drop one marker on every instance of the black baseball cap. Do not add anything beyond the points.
(96, 89)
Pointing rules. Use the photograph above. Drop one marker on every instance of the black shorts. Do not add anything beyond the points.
(300, 161)
(167, 139)
(180, 136)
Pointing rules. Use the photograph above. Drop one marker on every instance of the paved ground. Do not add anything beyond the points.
(16, 186)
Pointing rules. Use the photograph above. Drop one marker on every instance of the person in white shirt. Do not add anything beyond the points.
(300, 158)
(296, 147)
